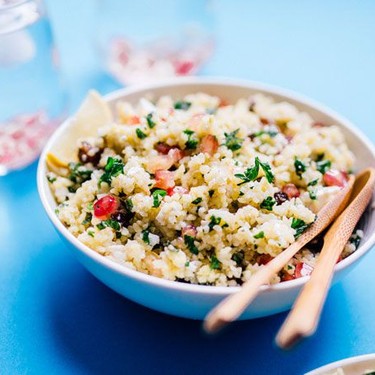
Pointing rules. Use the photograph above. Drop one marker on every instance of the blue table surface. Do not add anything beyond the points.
(55, 318)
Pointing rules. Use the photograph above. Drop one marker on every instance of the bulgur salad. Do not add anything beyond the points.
(198, 190)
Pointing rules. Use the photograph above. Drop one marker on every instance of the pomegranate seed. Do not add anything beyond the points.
(177, 190)
(209, 144)
(287, 277)
(164, 179)
(162, 148)
(264, 259)
(105, 207)
(189, 230)
(302, 269)
(291, 191)
(334, 177)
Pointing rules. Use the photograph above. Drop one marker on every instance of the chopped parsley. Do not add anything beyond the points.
(182, 105)
(213, 221)
(191, 143)
(197, 201)
(189, 242)
(113, 168)
(215, 263)
(157, 196)
(319, 157)
(268, 203)
(299, 167)
(140, 133)
(259, 235)
(150, 122)
(323, 165)
(50, 178)
(271, 133)
(313, 182)
(90, 206)
(145, 236)
(109, 224)
(87, 218)
(355, 239)
(312, 195)
(91, 233)
(129, 205)
(238, 258)
(251, 174)
(232, 141)
(78, 174)
(299, 225)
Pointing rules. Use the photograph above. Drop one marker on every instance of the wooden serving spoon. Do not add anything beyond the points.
(304, 317)
(232, 306)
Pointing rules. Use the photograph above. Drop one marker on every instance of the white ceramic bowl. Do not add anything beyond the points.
(351, 366)
(194, 301)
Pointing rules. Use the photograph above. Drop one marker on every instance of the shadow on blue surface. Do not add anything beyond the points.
(104, 333)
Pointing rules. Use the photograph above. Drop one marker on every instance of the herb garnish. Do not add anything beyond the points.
(300, 167)
(323, 165)
(140, 133)
(215, 263)
(191, 144)
(129, 205)
(157, 196)
(109, 223)
(91, 233)
(313, 182)
(145, 236)
(251, 174)
(87, 218)
(268, 203)
(189, 242)
(213, 221)
(238, 257)
(183, 105)
(259, 235)
(50, 178)
(271, 133)
(312, 194)
(197, 201)
(355, 239)
(150, 122)
(113, 168)
(78, 175)
(299, 225)
(232, 141)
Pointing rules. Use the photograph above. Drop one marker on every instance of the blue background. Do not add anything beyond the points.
(55, 318)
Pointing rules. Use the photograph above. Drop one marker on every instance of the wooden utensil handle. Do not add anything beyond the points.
(304, 317)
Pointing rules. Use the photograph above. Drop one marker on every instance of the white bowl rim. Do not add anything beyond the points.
(342, 363)
(180, 286)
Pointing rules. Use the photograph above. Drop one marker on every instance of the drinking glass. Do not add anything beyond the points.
(31, 96)
(145, 40)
